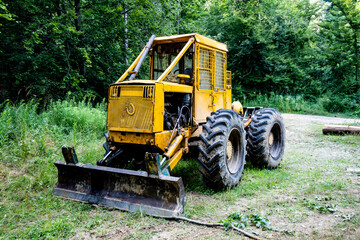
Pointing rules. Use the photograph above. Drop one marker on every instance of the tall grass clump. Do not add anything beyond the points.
(287, 103)
(28, 131)
(30, 142)
(17, 121)
(78, 116)
(325, 105)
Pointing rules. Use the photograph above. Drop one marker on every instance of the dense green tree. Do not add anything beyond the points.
(269, 43)
(350, 9)
(50, 48)
(79, 46)
(4, 12)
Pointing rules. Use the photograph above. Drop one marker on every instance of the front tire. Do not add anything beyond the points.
(222, 149)
(266, 138)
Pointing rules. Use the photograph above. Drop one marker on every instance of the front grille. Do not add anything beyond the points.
(148, 92)
(115, 91)
(131, 111)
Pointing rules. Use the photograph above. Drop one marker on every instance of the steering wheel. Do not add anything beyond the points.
(177, 70)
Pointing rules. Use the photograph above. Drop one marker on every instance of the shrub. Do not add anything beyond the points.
(340, 104)
(287, 103)
(17, 120)
(78, 116)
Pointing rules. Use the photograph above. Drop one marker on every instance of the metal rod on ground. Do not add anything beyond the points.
(212, 225)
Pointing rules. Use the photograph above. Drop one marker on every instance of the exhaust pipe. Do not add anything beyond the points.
(142, 58)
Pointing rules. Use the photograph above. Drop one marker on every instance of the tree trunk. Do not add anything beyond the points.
(340, 129)
(81, 60)
(58, 8)
(356, 58)
(126, 40)
(78, 15)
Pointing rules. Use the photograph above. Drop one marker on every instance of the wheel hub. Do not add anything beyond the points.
(271, 139)
(229, 151)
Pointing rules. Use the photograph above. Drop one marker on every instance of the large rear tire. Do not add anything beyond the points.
(222, 149)
(266, 138)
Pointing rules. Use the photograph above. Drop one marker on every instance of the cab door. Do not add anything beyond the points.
(210, 94)
(219, 80)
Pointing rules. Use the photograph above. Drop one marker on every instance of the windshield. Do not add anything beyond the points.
(164, 54)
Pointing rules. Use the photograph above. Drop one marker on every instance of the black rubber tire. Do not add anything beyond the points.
(266, 138)
(222, 149)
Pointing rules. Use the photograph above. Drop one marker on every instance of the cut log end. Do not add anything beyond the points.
(340, 129)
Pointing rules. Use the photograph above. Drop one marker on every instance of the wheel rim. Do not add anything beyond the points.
(233, 151)
(275, 141)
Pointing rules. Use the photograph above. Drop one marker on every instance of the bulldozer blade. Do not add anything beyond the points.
(121, 188)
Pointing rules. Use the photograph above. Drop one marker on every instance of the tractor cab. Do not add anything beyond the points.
(163, 55)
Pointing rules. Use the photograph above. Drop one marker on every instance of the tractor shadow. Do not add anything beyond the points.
(188, 170)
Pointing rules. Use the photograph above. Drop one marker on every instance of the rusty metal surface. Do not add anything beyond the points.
(120, 188)
(69, 154)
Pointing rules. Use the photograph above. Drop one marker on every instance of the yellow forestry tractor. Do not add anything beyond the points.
(185, 107)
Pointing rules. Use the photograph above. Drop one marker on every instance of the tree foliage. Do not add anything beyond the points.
(54, 47)
(60, 46)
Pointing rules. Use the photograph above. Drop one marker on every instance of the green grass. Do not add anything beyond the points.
(31, 140)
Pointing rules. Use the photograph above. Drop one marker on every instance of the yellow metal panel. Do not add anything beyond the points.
(219, 81)
(132, 138)
(175, 87)
(175, 159)
(158, 102)
(228, 89)
(203, 102)
(219, 100)
(174, 38)
(210, 42)
(203, 105)
(185, 37)
(131, 92)
(210, 79)
(162, 139)
(136, 82)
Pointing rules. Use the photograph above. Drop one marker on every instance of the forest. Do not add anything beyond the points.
(304, 50)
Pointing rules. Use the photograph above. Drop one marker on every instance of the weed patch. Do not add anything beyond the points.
(240, 220)
(320, 207)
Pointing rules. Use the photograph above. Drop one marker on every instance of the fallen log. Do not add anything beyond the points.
(340, 129)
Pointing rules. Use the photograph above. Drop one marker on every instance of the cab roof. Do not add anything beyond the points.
(198, 38)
